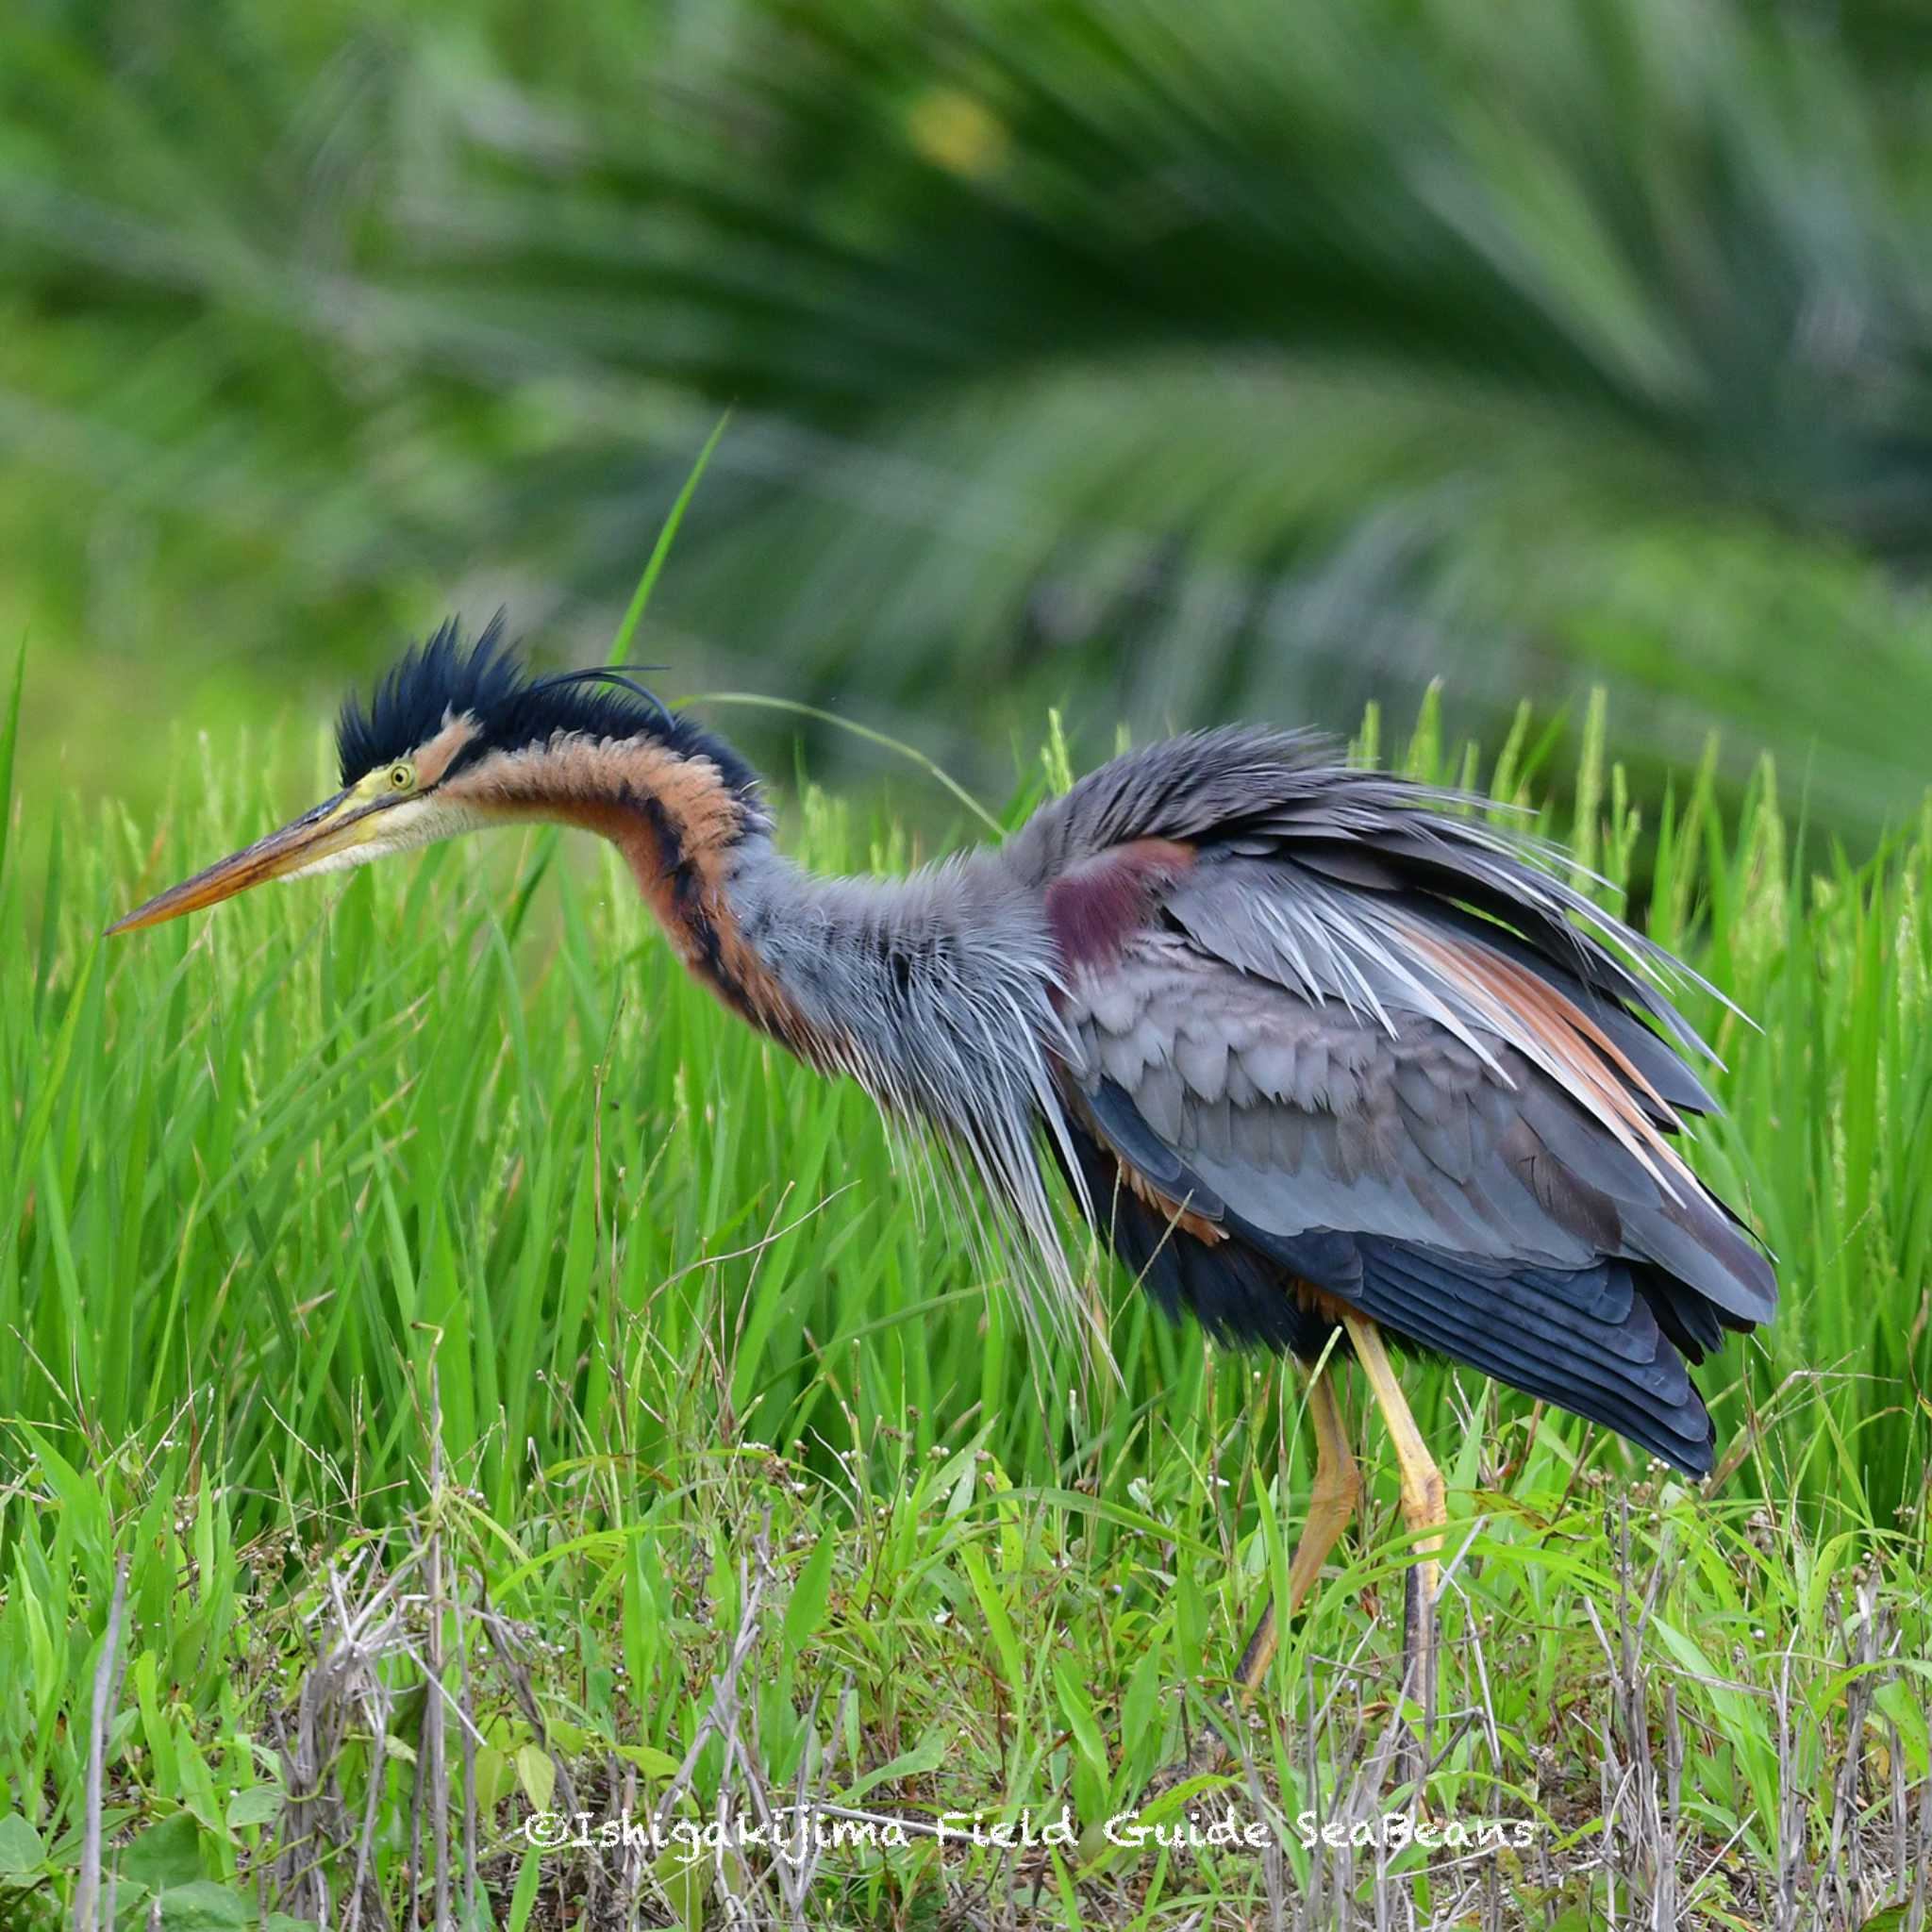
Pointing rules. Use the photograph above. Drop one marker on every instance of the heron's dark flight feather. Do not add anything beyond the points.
(1233, 1289)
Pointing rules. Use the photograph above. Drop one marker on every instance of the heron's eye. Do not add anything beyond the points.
(402, 777)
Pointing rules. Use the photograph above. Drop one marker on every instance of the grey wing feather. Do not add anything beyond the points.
(1306, 1116)
(1354, 846)
(1338, 1125)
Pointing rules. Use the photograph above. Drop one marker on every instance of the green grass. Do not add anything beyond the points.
(432, 1235)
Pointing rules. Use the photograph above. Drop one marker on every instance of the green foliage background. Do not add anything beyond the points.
(1253, 359)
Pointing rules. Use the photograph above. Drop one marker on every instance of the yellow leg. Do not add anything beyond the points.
(1331, 1504)
(1424, 1508)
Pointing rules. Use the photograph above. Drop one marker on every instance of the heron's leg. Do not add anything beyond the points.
(1424, 1507)
(1338, 1488)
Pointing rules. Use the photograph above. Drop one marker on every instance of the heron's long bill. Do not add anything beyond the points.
(334, 825)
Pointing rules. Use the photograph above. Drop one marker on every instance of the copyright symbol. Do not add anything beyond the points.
(547, 1830)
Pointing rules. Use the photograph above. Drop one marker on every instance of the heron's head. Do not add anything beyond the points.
(459, 736)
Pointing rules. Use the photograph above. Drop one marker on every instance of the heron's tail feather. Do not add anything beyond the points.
(1588, 1340)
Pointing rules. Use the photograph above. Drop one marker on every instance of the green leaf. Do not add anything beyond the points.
(9, 739)
(998, 1623)
(258, 1804)
(640, 598)
(806, 1610)
(1077, 1708)
(1894, 1699)
(648, 1759)
(529, 1870)
(1141, 1707)
(165, 1856)
(687, 1885)
(927, 1755)
(537, 1774)
(204, 1907)
(22, 1853)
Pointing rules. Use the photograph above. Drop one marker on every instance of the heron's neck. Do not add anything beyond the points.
(876, 975)
(907, 983)
(936, 992)
(678, 818)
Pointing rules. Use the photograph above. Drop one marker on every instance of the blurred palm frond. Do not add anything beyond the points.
(1245, 358)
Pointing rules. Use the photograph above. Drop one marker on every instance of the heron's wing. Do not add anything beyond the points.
(1302, 970)
(1400, 1174)
(1308, 1025)
(1303, 1117)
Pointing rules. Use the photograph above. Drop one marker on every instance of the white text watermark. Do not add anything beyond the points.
(798, 1832)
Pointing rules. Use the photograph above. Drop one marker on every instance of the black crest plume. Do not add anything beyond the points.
(447, 677)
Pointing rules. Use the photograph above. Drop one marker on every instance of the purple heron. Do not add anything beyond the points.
(1324, 1057)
